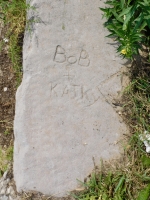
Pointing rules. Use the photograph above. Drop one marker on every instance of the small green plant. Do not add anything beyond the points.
(6, 155)
(129, 23)
(9, 153)
(6, 132)
(144, 194)
(105, 187)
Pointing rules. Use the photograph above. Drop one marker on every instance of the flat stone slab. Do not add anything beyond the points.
(64, 115)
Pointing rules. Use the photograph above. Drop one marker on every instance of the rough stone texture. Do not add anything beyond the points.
(64, 116)
(7, 192)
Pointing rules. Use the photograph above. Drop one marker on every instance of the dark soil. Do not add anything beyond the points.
(7, 100)
(7, 93)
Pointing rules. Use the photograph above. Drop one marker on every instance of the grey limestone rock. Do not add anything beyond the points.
(64, 117)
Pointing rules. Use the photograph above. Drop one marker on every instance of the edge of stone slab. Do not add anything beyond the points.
(103, 167)
(121, 142)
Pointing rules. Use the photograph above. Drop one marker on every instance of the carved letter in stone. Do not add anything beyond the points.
(53, 87)
(60, 54)
(84, 59)
(72, 59)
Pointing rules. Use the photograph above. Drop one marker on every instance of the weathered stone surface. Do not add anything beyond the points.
(64, 115)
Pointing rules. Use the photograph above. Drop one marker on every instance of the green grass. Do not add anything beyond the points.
(6, 156)
(13, 14)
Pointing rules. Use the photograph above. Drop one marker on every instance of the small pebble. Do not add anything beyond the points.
(3, 191)
(2, 183)
(5, 174)
(5, 89)
(12, 192)
(1, 72)
(4, 197)
(7, 181)
(8, 191)
(5, 40)
(11, 198)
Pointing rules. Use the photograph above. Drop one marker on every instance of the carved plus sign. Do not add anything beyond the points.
(69, 76)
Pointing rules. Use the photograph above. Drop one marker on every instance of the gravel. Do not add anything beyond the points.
(7, 192)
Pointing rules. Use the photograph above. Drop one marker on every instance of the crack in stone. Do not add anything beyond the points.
(111, 76)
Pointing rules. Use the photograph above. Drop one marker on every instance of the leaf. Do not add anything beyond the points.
(120, 183)
(125, 11)
(129, 1)
(111, 36)
(75, 196)
(103, 9)
(122, 3)
(115, 29)
(92, 197)
(143, 177)
(138, 22)
(104, 196)
(146, 161)
(148, 22)
(143, 26)
(106, 12)
(113, 3)
(144, 194)
(128, 17)
(117, 16)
